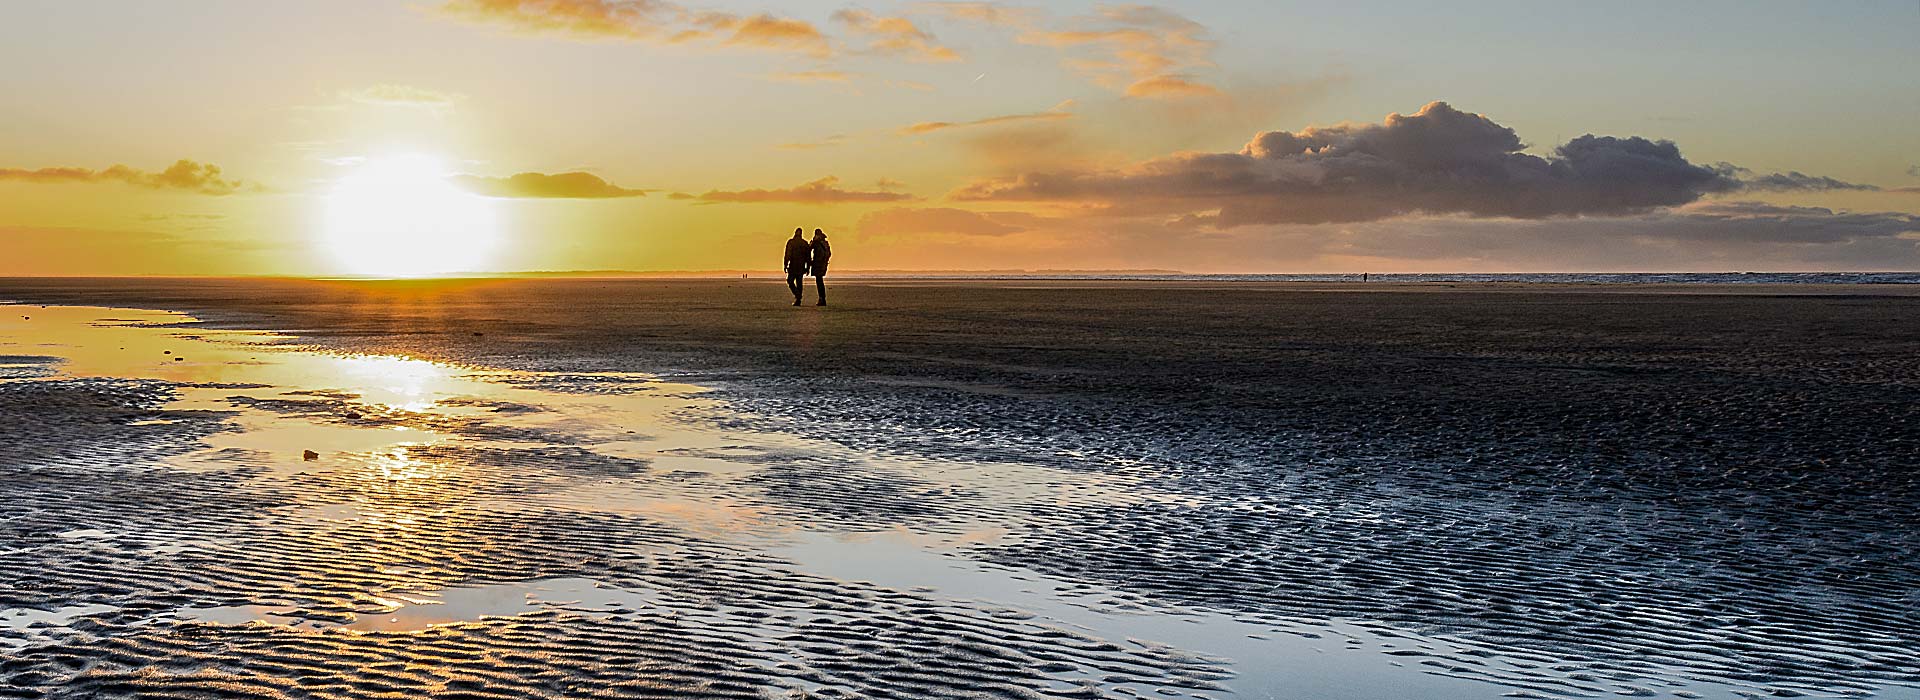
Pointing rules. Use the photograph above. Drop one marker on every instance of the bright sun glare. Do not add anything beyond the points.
(400, 216)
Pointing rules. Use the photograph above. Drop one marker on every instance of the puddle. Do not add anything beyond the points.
(28, 625)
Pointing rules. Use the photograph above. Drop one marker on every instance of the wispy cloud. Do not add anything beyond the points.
(1059, 111)
(811, 76)
(643, 20)
(989, 13)
(765, 31)
(894, 36)
(573, 185)
(401, 95)
(1790, 181)
(183, 175)
(827, 142)
(825, 190)
(944, 220)
(1143, 51)
(1170, 86)
(1138, 50)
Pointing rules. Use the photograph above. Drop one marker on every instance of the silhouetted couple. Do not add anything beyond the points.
(803, 257)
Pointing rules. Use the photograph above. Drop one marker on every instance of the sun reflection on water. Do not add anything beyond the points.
(399, 383)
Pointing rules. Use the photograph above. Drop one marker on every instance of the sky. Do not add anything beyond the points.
(421, 137)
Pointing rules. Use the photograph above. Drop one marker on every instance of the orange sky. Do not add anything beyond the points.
(416, 138)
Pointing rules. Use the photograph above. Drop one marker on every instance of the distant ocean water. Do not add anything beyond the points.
(1531, 278)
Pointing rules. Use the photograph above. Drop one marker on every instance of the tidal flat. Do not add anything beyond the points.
(649, 488)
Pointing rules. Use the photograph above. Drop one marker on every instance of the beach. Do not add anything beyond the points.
(957, 488)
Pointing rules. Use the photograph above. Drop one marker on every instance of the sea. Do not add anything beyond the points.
(1515, 277)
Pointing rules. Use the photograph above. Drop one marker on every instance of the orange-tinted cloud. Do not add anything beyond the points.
(184, 175)
(764, 31)
(1144, 51)
(827, 142)
(812, 76)
(574, 185)
(944, 220)
(821, 191)
(1170, 86)
(1058, 111)
(400, 95)
(895, 36)
(643, 20)
(988, 13)
(629, 19)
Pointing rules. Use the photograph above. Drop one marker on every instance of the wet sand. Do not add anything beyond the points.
(1287, 490)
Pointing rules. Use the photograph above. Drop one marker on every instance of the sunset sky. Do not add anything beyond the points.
(430, 136)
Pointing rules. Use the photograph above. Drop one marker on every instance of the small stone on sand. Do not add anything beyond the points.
(309, 455)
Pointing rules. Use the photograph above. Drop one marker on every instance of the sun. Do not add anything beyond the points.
(400, 216)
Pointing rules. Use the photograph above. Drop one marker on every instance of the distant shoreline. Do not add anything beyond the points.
(1526, 278)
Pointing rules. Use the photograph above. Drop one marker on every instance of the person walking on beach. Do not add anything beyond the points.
(796, 264)
(818, 263)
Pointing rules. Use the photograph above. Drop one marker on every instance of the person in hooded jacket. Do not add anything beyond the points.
(817, 262)
(795, 263)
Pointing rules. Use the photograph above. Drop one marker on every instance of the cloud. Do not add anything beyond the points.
(827, 142)
(812, 76)
(1791, 181)
(944, 220)
(183, 175)
(1170, 86)
(643, 20)
(1706, 235)
(895, 36)
(1143, 51)
(1028, 147)
(988, 13)
(1437, 161)
(1138, 50)
(821, 191)
(628, 19)
(400, 95)
(1712, 235)
(1772, 223)
(765, 31)
(1058, 111)
(574, 185)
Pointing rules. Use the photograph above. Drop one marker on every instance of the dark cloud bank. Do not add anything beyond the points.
(1438, 161)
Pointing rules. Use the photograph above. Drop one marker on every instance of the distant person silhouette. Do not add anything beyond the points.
(796, 264)
(821, 252)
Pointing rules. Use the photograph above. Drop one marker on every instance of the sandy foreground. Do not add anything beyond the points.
(660, 488)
